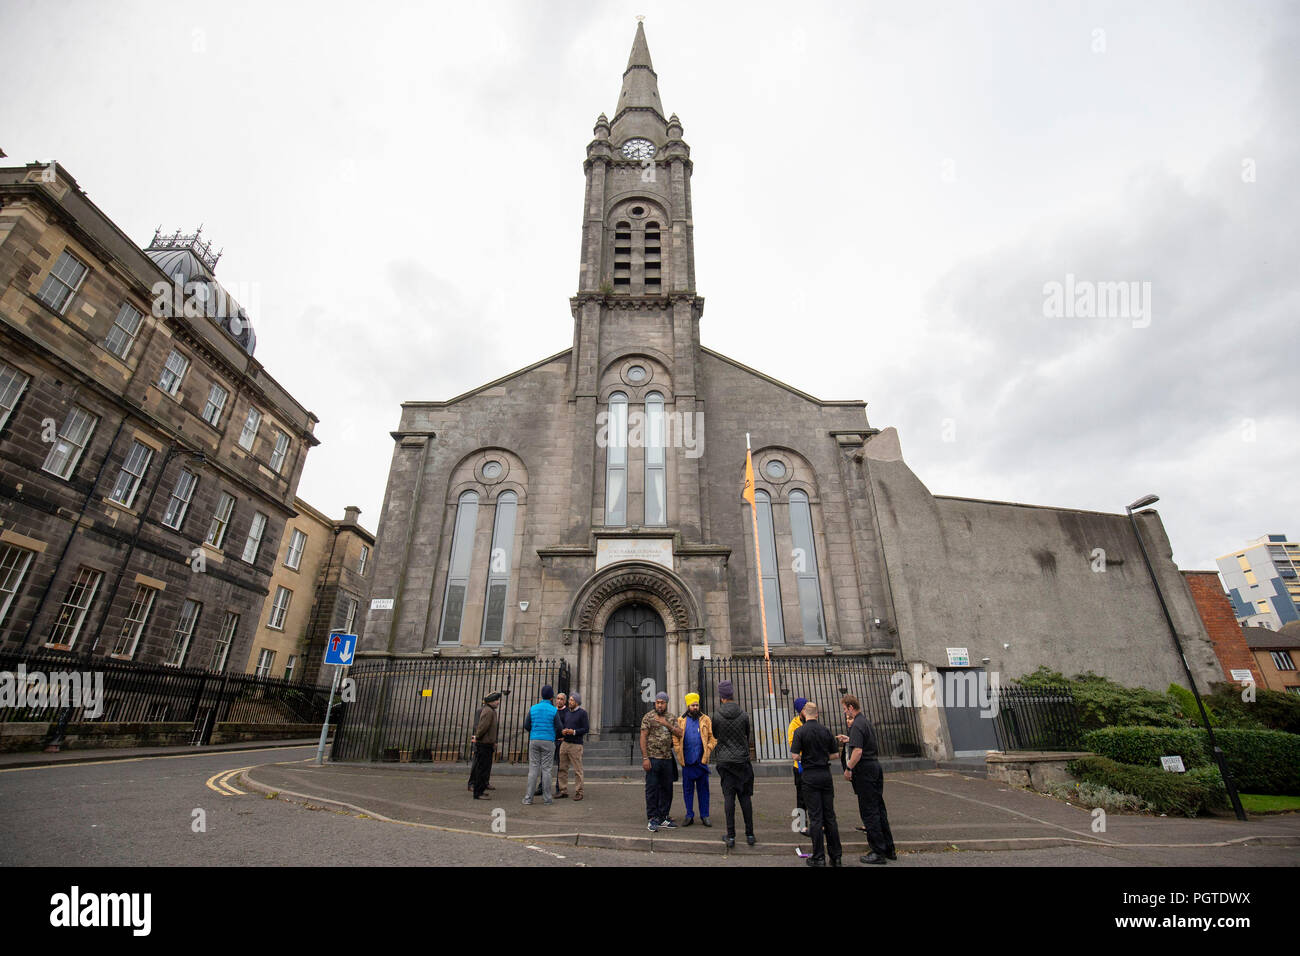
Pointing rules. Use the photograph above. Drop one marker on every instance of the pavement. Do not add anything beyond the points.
(929, 810)
(39, 758)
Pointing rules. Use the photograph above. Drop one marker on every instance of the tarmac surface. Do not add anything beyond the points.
(929, 810)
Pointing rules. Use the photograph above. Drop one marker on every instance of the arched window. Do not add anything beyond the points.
(805, 565)
(656, 482)
(616, 461)
(498, 583)
(462, 547)
(771, 579)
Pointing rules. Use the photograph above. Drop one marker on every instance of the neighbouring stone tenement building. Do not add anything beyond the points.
(589, 506)
(320, 584)
(148, 463)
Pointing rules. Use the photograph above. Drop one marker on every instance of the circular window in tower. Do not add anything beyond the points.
(638, 210)
(636, 373)
(775, 469)
(492, 470)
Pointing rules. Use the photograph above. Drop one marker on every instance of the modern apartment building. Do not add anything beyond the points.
(1263, 581)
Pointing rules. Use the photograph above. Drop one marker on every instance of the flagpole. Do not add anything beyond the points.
(758, 562)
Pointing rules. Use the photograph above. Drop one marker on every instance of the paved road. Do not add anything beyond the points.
(142, 812)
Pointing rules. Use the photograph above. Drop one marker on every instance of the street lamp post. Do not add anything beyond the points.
(1178, 645)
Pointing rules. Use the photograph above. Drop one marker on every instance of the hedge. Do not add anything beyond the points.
(1186, 793)
(1260, 761)
(1145, 746)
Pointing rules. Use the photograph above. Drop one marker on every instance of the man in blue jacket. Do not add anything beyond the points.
(574, 727)
(540, 724)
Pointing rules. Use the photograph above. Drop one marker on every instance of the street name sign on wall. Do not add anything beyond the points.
(381, 604)
(1173, 764)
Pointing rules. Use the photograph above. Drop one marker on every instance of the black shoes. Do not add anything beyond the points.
(813, 861)
(704, 821)
(749, 838)
(873, 857)
(837, 861)
(688, 821)
(891, 856)
(730, 841)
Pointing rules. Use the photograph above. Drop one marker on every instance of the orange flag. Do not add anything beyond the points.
(749, 478)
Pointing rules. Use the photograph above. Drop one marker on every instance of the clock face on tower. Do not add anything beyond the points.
(638, 149)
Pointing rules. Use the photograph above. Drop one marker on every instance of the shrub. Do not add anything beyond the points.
(1186, 794)
(1092, 795)
(1217, 793)
(1271, 709)
(1101, 702)
(1144, 746)
(1262, 761)
(1185, 704)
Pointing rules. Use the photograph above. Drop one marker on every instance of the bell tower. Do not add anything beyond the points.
(636, 280)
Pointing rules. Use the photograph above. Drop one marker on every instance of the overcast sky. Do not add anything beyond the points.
(882, 192)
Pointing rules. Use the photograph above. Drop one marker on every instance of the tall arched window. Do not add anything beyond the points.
(616, 461)
(462, 547)
(498, 583)
(805, 565)
(771, 579)
(656, 482)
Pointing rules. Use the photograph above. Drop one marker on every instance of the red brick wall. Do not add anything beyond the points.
(1221, 623)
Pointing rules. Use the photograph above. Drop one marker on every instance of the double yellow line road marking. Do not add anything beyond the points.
(223, 786)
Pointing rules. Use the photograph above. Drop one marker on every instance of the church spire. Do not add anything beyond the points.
(639, 112)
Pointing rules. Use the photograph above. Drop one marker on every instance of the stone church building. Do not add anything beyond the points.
(589, 507)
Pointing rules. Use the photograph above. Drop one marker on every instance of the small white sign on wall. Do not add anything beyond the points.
(1243, 677)
(958, 657)
(381, 604)
(1173, 764)
(701, 652)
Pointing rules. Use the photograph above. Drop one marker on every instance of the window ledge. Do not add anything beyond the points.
(118, 506)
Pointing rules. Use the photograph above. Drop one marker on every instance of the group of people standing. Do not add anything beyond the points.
(557, 726)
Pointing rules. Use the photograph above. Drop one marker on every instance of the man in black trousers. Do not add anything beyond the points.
(868, 778)
(813, 744)
(485, 745)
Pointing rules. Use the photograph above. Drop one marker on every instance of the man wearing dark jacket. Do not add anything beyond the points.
(731, 758)
(484, 742)
(863, 769)
(574, 727)
(814, 744)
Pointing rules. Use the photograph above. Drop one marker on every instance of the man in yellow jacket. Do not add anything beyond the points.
(795, 724)
(693, 748)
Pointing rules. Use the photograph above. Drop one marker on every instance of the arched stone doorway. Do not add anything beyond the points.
(635, 666)
(661, 592)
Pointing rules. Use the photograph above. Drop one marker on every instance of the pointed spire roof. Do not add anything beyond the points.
(639, 111)
(640, 55)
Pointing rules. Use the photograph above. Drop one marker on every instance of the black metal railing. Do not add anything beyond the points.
(823, 680)
(425, 709)
(73, 688)
(1039, 718)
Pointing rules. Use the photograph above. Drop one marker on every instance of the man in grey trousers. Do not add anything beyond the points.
(540, 724)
